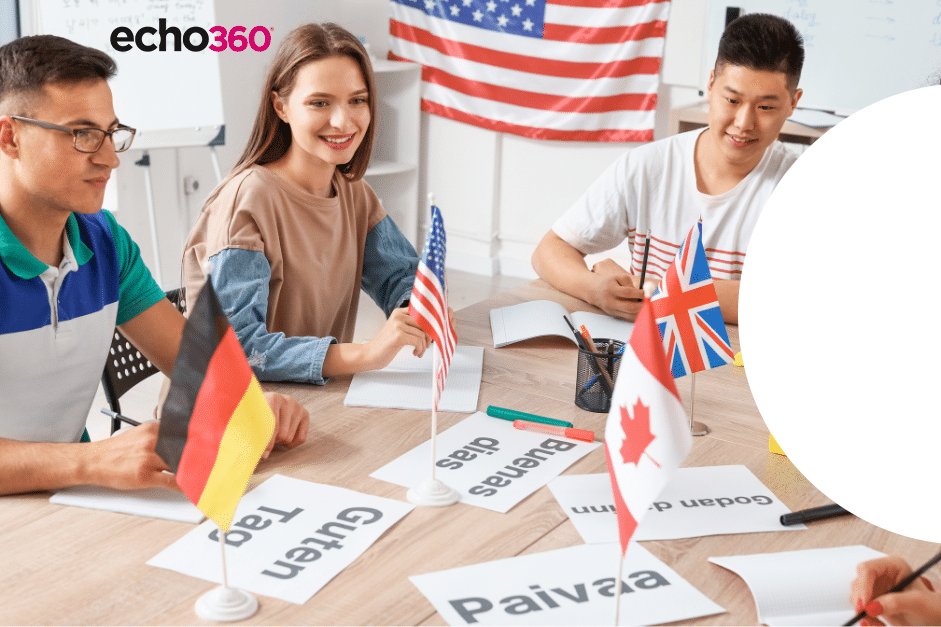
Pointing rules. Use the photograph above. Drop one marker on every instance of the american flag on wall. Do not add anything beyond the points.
(428, 304)
(577, 70)
(687, 311)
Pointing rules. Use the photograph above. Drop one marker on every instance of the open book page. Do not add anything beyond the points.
(528, 320)
(810, 587)
(151, 502)
(602, 326)
(539, 318)
(406, 383)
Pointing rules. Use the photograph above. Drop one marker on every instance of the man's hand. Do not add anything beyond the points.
(609, 288)
(128, 461)
(291, 422)
(614, 291)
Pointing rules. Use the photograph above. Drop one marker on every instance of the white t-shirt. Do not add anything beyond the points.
(654, 187)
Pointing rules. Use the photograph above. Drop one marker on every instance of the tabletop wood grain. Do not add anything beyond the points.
(66, 565)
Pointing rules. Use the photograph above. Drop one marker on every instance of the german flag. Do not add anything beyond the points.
(215, 423)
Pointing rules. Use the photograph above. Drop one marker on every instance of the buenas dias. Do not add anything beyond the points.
(514, 470)
(540, 599)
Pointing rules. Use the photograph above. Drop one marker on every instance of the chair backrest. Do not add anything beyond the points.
(127, 366)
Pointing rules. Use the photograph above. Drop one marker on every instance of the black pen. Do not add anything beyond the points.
(814, 513)
(114, 414)
(578, 336)
(643, 267)
(901, 585)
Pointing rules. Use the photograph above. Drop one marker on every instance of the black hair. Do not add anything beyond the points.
(28, 64)
(761, 41)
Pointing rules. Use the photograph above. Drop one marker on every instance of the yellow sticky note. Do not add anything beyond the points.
(773, 446)
(738, 359)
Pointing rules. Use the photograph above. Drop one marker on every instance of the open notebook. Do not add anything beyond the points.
(151, 502)
(810, 587)
(406, 382)
(544, 317)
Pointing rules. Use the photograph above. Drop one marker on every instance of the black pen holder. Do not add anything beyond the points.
(592, 389)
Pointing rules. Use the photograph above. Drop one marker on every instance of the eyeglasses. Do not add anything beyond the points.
(89, 139)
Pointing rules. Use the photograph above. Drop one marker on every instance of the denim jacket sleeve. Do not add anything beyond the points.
(389, 266)
(241, 280)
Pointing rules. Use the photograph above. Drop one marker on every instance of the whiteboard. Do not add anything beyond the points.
(857, 51)
(171, 98)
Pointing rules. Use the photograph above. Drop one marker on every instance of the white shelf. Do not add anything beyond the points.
(378, 167)
(393, 169)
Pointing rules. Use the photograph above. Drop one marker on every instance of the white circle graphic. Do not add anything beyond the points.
(840, 312)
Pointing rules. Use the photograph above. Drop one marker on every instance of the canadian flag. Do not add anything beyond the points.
(647, 436)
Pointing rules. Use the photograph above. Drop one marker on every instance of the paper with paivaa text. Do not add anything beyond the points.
(699, 501)
(571, 586)
(288, 538)
(489, 462)
(809, 587)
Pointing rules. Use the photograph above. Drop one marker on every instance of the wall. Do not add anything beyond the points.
(499, 193)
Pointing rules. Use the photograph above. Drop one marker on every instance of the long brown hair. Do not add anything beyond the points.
(271, 136)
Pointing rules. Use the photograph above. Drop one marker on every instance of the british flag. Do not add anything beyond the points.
(428, 304)
(687, 312)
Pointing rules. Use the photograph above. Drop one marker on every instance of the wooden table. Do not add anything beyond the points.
(66, 565)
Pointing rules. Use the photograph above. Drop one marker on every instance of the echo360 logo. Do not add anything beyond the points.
(194, 39)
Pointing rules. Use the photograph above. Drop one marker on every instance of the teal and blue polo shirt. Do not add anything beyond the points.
(55, 334)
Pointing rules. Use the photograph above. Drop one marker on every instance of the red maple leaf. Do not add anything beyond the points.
(637, 433)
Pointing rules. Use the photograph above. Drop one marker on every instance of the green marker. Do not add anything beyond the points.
(510, 414)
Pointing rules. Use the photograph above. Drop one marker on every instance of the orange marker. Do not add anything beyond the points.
(575, 434)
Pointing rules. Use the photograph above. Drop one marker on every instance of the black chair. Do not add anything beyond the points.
(127, 366)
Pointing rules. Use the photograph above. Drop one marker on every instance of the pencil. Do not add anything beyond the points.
(121, 417)
(901, 585)
(643, 267)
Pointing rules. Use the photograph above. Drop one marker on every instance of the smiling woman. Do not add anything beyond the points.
(294, 232)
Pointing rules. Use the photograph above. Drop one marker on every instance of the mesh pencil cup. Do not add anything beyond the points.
(592, 389)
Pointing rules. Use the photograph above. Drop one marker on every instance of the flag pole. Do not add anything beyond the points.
(695, 427)
(434, 410)
(433, 492)
(225, 577)
(618, 586)
(225, 603)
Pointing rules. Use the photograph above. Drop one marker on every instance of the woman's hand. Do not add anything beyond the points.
(918, 604)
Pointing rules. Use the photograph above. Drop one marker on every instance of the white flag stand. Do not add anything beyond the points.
(433, 492)
(225, 603)
(695, 427)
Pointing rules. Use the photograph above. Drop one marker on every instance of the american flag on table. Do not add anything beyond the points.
(647, 434)
(577, 70)
(687, 312)
(428, 304)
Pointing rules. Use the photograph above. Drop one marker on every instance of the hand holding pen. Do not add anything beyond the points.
(613, 290)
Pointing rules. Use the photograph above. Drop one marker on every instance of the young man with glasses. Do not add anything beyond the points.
(69, 273)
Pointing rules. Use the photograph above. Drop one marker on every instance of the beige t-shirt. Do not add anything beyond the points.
(313, 245)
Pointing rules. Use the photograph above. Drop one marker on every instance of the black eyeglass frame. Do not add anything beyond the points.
(75, 131)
